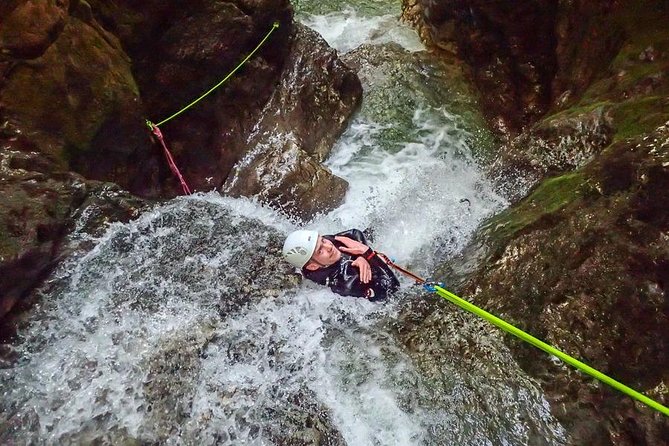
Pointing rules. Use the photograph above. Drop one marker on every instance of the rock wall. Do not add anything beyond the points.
(63, 80)
(525, 57)
(581, 91)
(180, 55)
(583, 263)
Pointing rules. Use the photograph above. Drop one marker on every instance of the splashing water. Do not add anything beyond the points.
(426, 198)
(185, 326)
(348, 29)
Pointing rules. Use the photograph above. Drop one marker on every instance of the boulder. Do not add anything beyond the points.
(30, 27)
(583, 263)
(190, 50)
(310, 108)
(75, 100)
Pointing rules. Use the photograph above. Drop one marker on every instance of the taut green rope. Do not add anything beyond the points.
(550, 349)
(275, 25)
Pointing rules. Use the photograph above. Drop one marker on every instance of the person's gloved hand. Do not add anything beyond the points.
(429, 286)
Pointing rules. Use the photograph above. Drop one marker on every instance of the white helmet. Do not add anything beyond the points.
(299, 247)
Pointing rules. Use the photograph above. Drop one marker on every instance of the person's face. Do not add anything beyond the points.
(325, 253)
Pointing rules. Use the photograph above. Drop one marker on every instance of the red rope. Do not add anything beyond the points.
(170, 160)
(408, 273)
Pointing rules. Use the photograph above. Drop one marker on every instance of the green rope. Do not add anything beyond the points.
(275, 25)
(550, 349)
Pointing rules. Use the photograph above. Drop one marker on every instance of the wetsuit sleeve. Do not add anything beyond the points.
(355, 234)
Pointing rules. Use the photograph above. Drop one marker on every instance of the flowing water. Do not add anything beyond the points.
(184, 326)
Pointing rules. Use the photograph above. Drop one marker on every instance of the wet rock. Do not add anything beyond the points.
(261, 270)
(283, 174)
(90, 433)
(172, 373)
(77, 101)
(511, 65)
(412, 13)
(629, 98)
(20, 427)
(294, 84)
(582, 263)
(310, 108)
(35, 218)
(469, 369)
(104, 204)
(8, 356)
(29, 28)
(303, 422)
(588, 36)
(557, 144)
(567, 140)
(184, 54)
(252, 264)
(522, 58)
(98, 57)
(401, 85)
(172, 311)
(316, 96)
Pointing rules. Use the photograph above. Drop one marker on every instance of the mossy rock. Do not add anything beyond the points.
(582, 263)
(549, 197)
(636, 85)
(635, 117)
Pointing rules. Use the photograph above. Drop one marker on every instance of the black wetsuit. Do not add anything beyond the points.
(344, 278)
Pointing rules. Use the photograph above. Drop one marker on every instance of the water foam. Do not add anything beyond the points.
(346, 30)
(426, 198)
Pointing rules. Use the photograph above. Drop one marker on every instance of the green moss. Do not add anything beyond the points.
(634, 80)
(630, 118)
(549, 197)
(634, 117)
(575, 111)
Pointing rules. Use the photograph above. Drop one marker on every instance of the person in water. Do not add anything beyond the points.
(343, 261)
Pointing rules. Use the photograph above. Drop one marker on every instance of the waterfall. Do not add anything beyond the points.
(185, 326)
